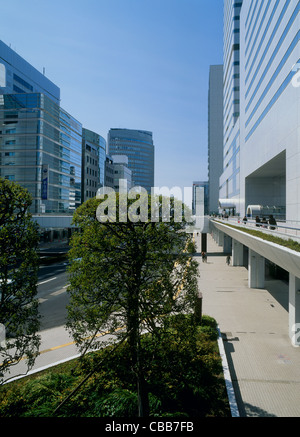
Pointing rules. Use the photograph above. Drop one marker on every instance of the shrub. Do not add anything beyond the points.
(183, 374)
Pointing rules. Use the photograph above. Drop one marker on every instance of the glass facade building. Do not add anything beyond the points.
(138, 146)
(17, 76)
(40, 148)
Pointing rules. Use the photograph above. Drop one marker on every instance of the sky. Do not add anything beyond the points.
(136, 64)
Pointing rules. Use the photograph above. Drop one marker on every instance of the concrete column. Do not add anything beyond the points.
(237, 253)
(294, 310)
(212, 233)
(220, 238)
(256, 270)
(204, 243)
(215, 235)
(227, 244)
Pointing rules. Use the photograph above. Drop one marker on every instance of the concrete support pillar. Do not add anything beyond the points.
(294, 310)
(220, 238)
(212, 233)
(204, 243)
(256, 270)
(227, 244)
(216, 235)
(237, 253)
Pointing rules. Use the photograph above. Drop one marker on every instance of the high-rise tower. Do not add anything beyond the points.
(40, 143)
(215, 135)
(229, 181)
(262, 107)
(138, 146)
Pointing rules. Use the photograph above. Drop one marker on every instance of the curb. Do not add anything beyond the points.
(230, 390)
(40, 369)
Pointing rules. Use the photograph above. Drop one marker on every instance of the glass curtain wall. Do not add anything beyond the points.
(40, 148)
(139, 148)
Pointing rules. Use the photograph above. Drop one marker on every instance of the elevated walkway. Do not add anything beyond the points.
(234, 241)
(282, 256)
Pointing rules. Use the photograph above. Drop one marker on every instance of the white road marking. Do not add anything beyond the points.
(41, 300)
(48, 280)
(56, 293)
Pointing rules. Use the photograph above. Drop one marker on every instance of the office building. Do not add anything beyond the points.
(230, 178)
(93, 163)
(17, 76)
(215, 136)
(122, 173)
(270, 128)
(201, 189)
(261, 121)
(40, 148)
(138, 146)
(40, 143)
(109, 172)
(117, 173)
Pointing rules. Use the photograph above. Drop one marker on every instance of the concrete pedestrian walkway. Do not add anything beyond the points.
(264, 366)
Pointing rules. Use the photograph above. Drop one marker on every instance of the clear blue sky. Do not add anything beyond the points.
(137, 64)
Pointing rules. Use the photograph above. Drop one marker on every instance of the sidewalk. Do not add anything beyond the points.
(264, 366)
(56, 347)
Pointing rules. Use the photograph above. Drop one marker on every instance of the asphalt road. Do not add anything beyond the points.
(52, 294)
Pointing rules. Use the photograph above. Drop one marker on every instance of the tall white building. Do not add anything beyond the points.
(230, 178)
(268, 127)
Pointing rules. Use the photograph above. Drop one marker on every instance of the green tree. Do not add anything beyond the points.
(19, 319)
(126, 275)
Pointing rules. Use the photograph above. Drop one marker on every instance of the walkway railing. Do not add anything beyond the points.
(285, 230)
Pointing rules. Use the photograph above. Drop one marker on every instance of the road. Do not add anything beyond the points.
(52, 294)
(53, 298)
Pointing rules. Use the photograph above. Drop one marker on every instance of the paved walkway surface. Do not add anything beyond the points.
(264, 366)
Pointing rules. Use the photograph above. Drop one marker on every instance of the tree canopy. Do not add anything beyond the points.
(126, 276)
(19, 317)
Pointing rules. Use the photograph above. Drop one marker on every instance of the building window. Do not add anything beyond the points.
(23, 82)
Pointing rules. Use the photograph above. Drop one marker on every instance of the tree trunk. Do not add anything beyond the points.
(134, 344)
(143, 400)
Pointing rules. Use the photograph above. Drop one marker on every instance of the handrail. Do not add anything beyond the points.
(280, 229)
